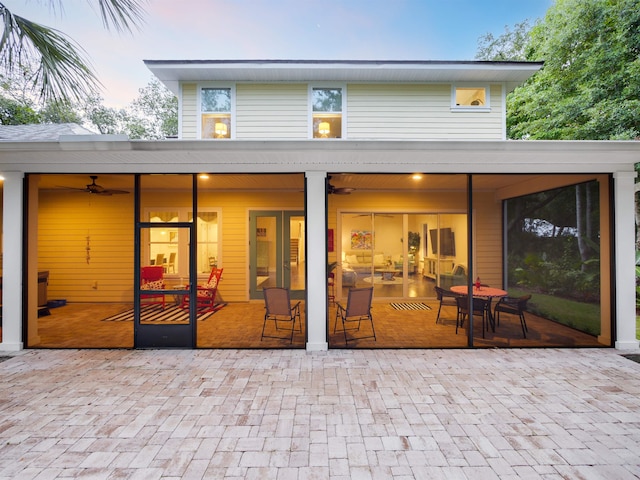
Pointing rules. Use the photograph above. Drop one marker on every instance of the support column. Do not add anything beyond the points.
(316, 244)
(12, 262)
(625, 261)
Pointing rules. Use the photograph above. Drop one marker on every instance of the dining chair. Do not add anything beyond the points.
(480, 309)
(171, 264)
(513, 306)
(357, 310)
(278, 308)
(446, 298)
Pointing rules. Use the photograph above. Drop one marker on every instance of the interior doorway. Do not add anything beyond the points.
(277, 252)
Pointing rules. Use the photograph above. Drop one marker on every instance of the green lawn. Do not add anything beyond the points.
(581, 316)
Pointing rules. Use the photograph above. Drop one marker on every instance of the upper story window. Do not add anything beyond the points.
(215, 108)
(326, 112)
(470, 98)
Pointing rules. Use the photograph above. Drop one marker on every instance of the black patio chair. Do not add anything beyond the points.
(480, 309)
(513, 306)
(447, 298)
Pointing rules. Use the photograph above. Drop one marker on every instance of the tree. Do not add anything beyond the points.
(152, 116)
(13, 112)
(107, 121)
(62, 74)
(511, 45)
(156, 110)
(589, 87)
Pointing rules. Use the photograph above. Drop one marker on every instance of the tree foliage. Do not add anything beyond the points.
(157, 111)
(153, 115)
(553, 241)
(511, 45)
(589, 87)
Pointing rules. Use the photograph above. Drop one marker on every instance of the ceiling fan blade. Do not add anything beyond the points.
(112, 192)
(332, 189)
(94, 189)
(343, 190)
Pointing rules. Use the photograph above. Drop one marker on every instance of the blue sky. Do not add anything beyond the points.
(278, 29)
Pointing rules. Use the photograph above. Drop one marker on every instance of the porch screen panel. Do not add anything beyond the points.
(554, 253)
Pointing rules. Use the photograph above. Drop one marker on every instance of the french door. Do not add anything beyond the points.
(277, 252)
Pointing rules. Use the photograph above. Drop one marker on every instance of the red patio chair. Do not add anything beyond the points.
(206, 294)
(152, 278)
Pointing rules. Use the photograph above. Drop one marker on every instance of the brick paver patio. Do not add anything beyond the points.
(279, 414)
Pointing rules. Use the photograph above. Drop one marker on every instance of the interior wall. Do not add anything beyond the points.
(487, 239)
(71, 222)
(606, 282)
(487, 222)
(234, 224)
(86, 243)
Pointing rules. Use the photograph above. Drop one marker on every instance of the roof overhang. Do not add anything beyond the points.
(173, 72)
(192, 156)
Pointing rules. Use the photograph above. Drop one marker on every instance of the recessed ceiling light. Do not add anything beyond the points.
(204, 176)
(417, 176)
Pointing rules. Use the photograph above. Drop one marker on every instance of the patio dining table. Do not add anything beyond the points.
(485, 292)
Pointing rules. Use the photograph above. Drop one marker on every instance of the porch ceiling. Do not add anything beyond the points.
(295, 182)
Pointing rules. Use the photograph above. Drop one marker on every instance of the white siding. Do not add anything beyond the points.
(417, 112)
(190, 118)
(269, 111)
(373, 112)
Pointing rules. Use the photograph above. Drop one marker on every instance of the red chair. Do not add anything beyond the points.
(152, 278)
(206, 294)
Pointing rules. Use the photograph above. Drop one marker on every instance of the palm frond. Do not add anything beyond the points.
(121, 14)
(63, 74)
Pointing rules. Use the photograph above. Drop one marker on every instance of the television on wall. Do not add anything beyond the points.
(447, 244)
(433, 236)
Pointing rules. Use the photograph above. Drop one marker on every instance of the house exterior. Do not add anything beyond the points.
(308, 162)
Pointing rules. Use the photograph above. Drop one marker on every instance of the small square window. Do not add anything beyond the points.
(470, 97)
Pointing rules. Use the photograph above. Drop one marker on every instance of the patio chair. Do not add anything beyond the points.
(447, 298)
(358, 309)
(206, 294)
(513, 306)
(480, 309)
(152, 278)
(331, 287)
(278, 308)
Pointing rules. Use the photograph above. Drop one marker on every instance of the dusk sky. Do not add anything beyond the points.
(278, 29)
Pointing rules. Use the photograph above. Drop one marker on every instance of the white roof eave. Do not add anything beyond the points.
(173, 72)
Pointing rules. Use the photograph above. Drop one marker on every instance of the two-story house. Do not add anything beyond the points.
(396, 173)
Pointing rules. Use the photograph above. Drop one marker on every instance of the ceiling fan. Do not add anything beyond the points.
(96, 189)
(333, 190)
